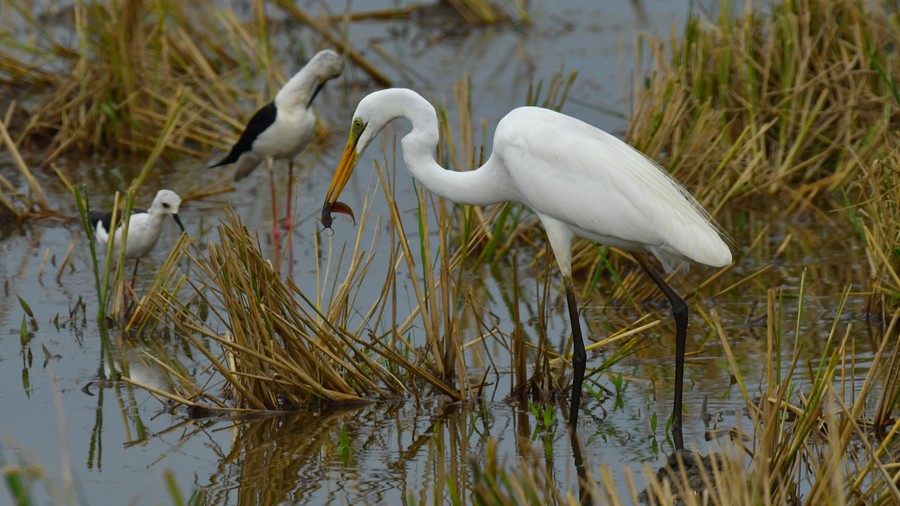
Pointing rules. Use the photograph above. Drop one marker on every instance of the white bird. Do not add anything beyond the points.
(144, 225)
(282, 128)
(578, 179)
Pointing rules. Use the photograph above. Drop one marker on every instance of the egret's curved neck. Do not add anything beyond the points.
(485, 185)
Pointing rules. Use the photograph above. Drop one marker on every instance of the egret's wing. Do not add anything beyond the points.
(603, 188)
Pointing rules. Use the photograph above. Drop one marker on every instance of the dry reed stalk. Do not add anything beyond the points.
(37, 198)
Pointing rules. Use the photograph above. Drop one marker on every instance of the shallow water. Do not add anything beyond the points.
(116, 442)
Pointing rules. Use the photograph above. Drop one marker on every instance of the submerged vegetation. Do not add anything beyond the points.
(791, 111)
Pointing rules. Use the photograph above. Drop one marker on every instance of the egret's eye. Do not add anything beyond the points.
(358, 126)
(166, 205)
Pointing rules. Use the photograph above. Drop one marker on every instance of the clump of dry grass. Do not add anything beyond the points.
(282, 348)
(278, 349)
(878, 222)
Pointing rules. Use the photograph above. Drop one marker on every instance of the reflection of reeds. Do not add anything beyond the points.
(279, 458)
(812, 441)
(812, 436)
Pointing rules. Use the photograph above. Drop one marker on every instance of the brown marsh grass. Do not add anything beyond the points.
(792, 103)
(136, 61)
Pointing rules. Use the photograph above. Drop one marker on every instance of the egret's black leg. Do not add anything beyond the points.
(584, 490)
(680, 313)
(579, 356)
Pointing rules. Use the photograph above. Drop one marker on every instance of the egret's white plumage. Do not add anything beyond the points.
(578, 179)
(144, 226)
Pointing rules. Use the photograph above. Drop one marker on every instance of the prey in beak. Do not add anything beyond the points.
(337, 207)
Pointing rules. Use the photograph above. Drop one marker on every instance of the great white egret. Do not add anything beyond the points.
(144, 225)
(578, 179)
(282, 128)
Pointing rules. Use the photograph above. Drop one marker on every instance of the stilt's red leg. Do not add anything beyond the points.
(276, 233)
(134, 274)
(287, 215)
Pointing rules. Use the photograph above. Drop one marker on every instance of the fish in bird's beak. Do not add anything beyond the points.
(341, 176)
(337, 207)
(178, 221)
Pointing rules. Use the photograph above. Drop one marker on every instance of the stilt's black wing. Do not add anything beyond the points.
(258, 124)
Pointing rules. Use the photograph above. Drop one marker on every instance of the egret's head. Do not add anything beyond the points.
(360, 137)
(168, 202)
(372, 114)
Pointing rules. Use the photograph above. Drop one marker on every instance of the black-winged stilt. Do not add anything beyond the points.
(282, 128)
(144, 226)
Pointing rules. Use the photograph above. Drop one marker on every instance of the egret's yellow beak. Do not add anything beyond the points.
(345, 168)
(341, 176)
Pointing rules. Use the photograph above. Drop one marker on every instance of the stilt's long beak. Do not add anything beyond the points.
(341, 176)
(178, 221)
(315, 92)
